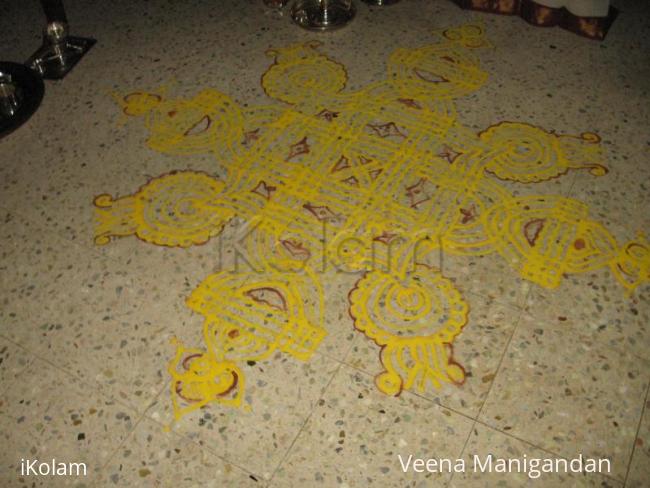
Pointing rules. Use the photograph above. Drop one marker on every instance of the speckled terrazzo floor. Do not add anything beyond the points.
(84, 331)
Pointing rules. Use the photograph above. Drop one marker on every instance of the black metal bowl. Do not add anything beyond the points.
(21, 93)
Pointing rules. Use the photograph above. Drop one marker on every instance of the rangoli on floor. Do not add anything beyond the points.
(392, 175)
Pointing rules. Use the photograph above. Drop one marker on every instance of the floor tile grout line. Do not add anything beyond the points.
(8, 384)
(522, 312)
(541, 448)
(304, 424)
(517, 321)
(536, 446)
(476, 420)
(121, 443)
(498, 301)
(96, 387)
(223, 458)
(636, 436)
(414, 393)
(517, 438)
(498, 369)
(185, 438)
(83, 382)
(156, 399)
(410, 393)
(203, 447)
(487, 394)
(462, 451)
(574, 180)
(96, 391)
(342, 362)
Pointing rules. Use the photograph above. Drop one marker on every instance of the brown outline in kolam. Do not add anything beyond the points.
(251, 136)
(329, 116)
(468, 215)
(289, 244)
(447, 149)
(538, 220)
(450, 359)
(410, 102)
(311, 209)
(597, 141)
(125, 97)
(336, 168)
(442, 78)
(381, 346)
(408, 193)
(268, 188)
(269, 288)
(235, 382)
(187, 132)
(375, 128)
(186, 367)
(149, 180)
(302, 142)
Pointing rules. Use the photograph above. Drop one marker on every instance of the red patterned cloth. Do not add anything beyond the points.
(589, 18)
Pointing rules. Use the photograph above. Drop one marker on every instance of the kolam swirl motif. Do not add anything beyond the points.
(179, 209)
(300, 74)
(528, 154)
(546, 237)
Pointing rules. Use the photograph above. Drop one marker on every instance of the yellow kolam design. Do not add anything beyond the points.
(248, 316)
(545, 237)
(414, 318)
(529, 154)
(447, 69)
(370, 181)
(200, 377)
(180, 209)
(631, 266)
(301, 73)
(468, 35)
(208, 122)
(251, 315)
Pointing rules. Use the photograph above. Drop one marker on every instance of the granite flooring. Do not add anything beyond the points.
(85, 331)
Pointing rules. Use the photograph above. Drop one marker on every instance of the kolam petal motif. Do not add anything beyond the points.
(414, 319)
(631, 266)
(199, 378)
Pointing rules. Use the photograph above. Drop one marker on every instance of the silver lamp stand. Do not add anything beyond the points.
(59, 52)
(322, 15)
